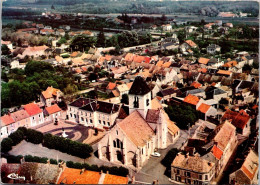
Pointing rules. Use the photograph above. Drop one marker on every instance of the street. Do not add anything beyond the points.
(154, 170)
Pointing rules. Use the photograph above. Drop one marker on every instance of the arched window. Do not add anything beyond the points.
(136, 102)
(118, 144)
(114, 143)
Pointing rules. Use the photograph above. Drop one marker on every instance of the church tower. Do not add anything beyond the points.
(139, 96)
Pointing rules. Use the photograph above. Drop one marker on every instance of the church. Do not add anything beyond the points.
(134, 138)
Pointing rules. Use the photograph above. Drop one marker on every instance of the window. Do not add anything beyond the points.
(188, 174)
(142, 151)
(147, 102)
(75, 116)
(206, 177)
(33, 117)
(200, 177)
(104, 123)
(117, 132)
(114, 143)
(148, 145)
(39, 115)
(86, 120)
(82, 119)
(99, 121)
(108, 123)
(178, 171)
(86, 114)
(90, 120)
(70, 108)
(70, 115)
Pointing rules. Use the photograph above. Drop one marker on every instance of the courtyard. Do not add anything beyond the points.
(75, 132)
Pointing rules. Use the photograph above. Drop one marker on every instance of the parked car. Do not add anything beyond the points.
(156, 154)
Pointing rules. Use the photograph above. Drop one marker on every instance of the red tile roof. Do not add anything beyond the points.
(191, 43)
(70, 175)
(111, 86)
(203, 70)
(239, 119)
(32, 109)
(147, 59)
(136, 129)
(6, 120)
(191, 99)
(216, 152)
(203, 60)
(223, 72)
(204, 108)
(195, 84)
(113, 179)
(53, 109)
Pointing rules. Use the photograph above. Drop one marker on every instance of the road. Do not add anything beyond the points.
(154, 170)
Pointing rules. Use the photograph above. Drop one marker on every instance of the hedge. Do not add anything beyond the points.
(16, 137)
(50, 141)
(29, 158)
(6, 144)
(121, 171)
(34, 136)
(67, 146)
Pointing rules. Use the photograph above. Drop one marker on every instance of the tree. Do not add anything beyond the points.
(5, 50)
(38, 67)
(16, 137)
(82, 43)
(70, 89)
(92, 94)
(247, 68)
(101, 39)
(168, 34)
(34, 136)
(92, 76)
(6, 144)
(183, 115)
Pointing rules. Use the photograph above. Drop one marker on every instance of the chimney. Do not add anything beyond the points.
(107, 172)
(48, 161)
(74, 182)
(101, 171)
(82, 171)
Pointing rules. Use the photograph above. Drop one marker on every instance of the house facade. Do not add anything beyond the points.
(187, 169)
(35, 113)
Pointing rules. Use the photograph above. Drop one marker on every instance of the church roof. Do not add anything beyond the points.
(139, 87)
(136, 129)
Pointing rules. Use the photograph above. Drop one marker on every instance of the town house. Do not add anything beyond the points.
(35, 113)
(50, 96)
(187, 169)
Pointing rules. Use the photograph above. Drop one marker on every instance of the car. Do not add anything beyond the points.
(156, 154)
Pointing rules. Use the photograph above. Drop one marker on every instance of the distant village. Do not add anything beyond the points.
(169, 100)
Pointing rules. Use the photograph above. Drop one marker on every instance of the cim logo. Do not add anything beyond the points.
(15, 176)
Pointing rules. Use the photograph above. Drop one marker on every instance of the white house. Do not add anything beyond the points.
(52, 113)
(167, 27)
(36, 114)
